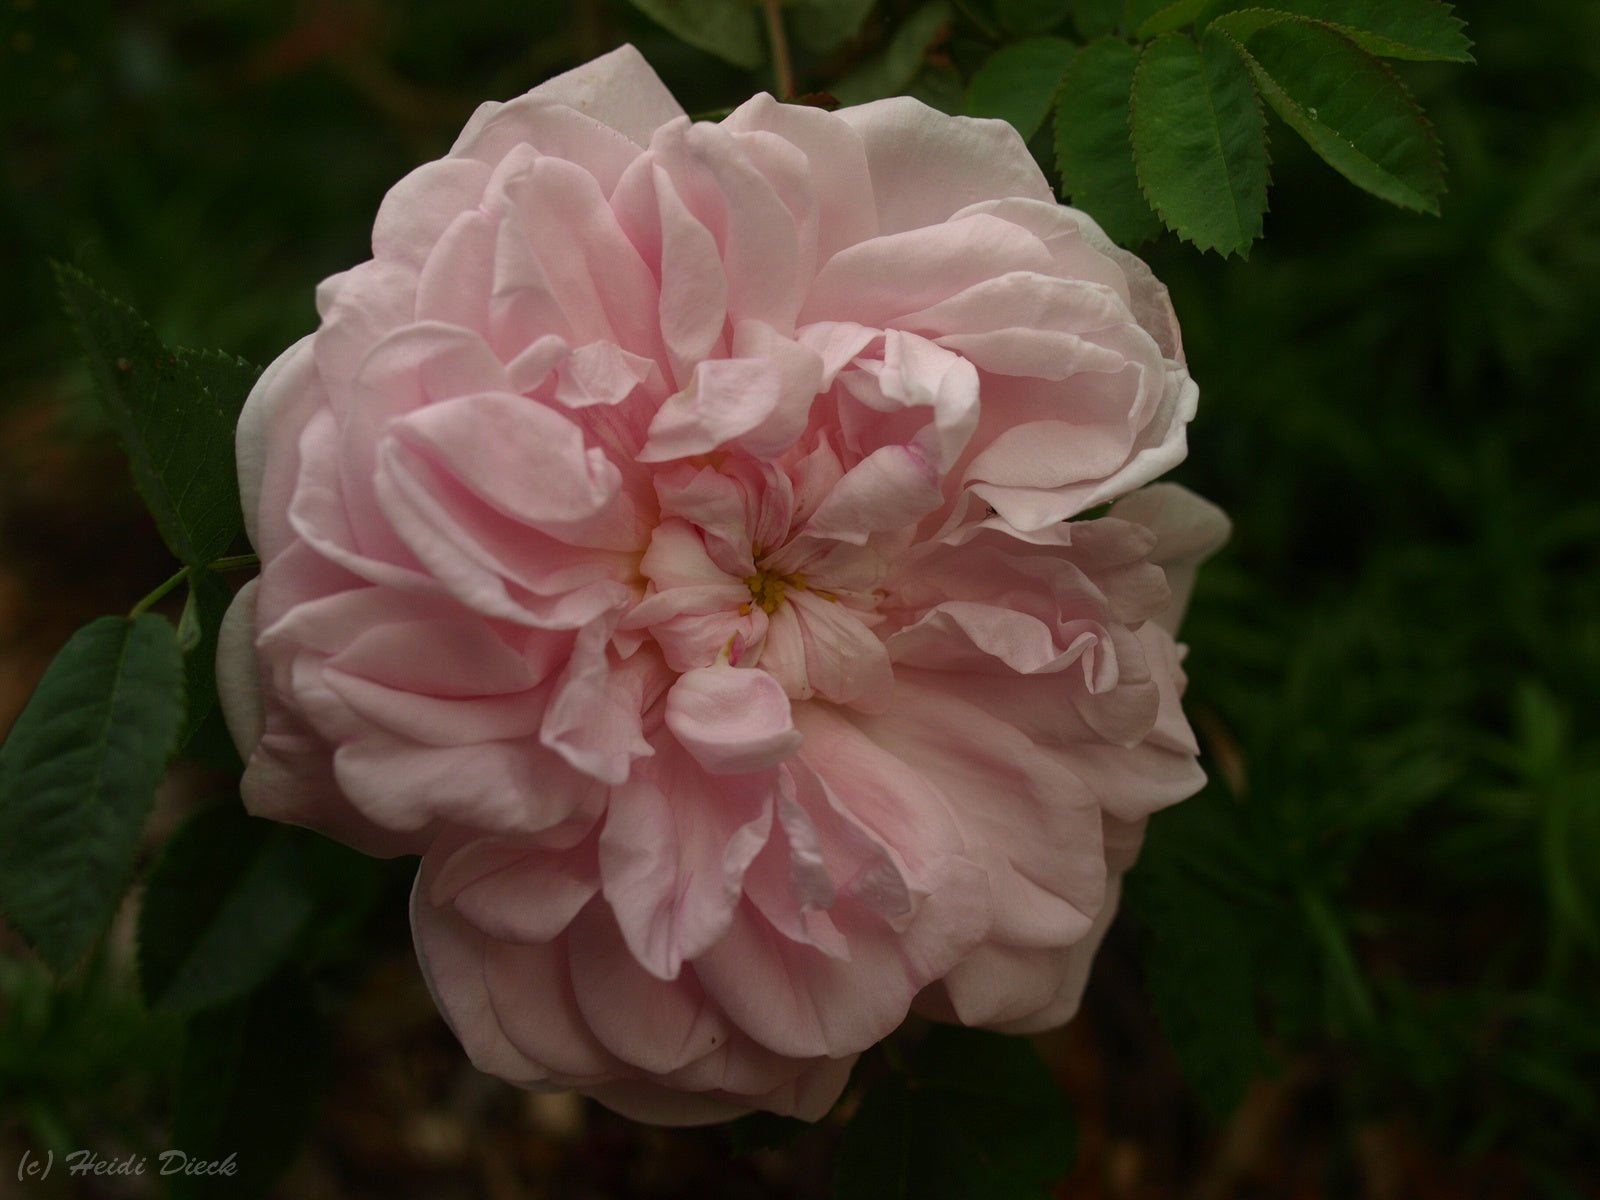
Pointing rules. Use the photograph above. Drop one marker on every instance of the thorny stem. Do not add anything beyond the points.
(781, 68)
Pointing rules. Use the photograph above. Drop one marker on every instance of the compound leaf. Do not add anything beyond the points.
(1019, 82)
(1093, 150)
(1349, 107)
(1199, 142)
(78, 774)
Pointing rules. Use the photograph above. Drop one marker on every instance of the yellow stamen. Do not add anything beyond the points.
(767, 588)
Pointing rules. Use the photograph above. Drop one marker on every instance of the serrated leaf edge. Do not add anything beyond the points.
(1050, 105)
(127, 433)
(1397, 50)
(1269, 87)
(1076, 194)
(1164, 21)
(1242, 251)
(125, 875)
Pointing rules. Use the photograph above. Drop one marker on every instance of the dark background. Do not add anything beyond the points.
(1392, 886)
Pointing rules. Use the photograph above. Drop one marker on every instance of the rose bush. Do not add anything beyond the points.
(679, 535)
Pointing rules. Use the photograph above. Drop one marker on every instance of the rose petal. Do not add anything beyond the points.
(732, 720)
(1188, 531)
(926, 166)
(618, 90)
(672, 870)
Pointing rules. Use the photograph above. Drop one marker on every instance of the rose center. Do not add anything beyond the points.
(767, 588)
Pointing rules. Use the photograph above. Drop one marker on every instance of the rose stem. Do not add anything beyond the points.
(780, 49)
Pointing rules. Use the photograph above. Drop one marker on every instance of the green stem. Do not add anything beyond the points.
(156, 593)
(235, 562)
(971, 14)
(781, 67)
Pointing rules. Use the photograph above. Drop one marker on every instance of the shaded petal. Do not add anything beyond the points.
(1030, 821)
(673, 854)
(531, 996)
(845, 661)
(600, 373)
(677, 558)
(451, 954)
(493, 786)
(1072, 973)
(527, 461)
(510, 889)
(1188, 531)
(594, 717)
(798, 1001)
(653, 1024)
(281, 401)
(808, 1095)
(239, 672)
(890, 489)
(726, 398)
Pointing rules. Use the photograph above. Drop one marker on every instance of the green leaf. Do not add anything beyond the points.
(1096, 18)
(208, 600)
(226, 379)
(1420, 30)
(1198, 951)
(729, 29)
(976, 1117)
(174, 412)
(821, 25)
(890, 72)
(1200, 143)
(247, 1090)
(1019, 83)
(1349, 107)
(222, 910)
(345, 886)
(78, 774)
(1173, 17)
(1030, 16)
(1093, 149)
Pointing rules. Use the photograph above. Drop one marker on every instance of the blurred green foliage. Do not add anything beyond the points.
(1396, 660)
(1395, 874)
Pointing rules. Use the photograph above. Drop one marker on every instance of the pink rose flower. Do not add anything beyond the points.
(669, 535)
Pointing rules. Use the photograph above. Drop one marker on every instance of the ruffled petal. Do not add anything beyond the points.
(673, 853)
(1188, 531)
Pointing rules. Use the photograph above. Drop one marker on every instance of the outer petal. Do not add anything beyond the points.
(837, 161)
(239, 673)
(617, 89)
(926, 166)
(281, 401)
(1188, 531)
(451, 952)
